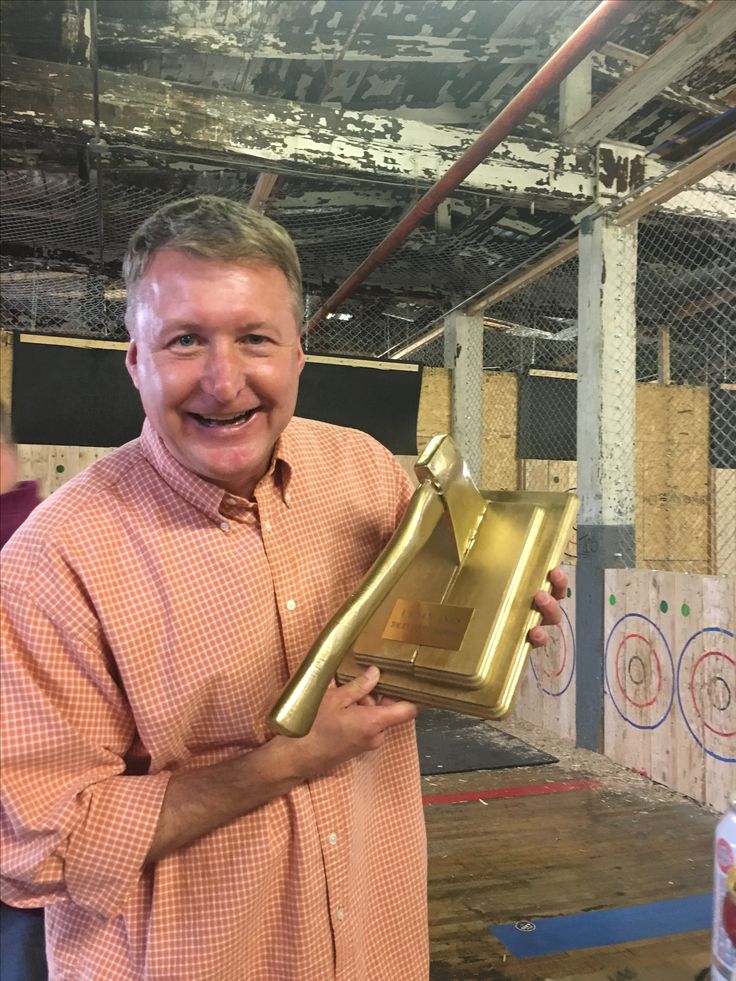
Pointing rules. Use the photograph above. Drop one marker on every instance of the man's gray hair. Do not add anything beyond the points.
(213, 228)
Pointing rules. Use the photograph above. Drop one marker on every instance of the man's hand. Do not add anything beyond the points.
(350, 721)
(549, 607)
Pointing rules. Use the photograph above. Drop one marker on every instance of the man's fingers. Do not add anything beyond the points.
(548, 607)
(357, 689)
(392, 713)
(558, 580)
(537, 637)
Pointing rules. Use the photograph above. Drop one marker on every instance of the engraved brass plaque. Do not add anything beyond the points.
(428, 624)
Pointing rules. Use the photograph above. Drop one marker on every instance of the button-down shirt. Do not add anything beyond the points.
(150, 621)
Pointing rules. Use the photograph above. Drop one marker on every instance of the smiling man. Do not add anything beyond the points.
(153, 609)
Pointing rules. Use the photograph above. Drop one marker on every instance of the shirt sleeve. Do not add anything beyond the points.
(73, 826)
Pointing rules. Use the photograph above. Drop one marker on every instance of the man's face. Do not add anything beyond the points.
(216, 357)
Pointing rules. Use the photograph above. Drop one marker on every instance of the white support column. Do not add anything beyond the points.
(464, 356)
(606, 373)
(576, 93)
(606, 438)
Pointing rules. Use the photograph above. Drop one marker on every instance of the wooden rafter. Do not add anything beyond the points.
(684, 177)
(670, 62)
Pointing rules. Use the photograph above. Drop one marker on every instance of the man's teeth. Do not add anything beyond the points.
(223, 421)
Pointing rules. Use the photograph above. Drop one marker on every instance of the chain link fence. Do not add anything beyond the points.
(63, 239)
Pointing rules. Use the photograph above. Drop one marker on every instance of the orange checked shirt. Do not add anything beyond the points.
(150, 620)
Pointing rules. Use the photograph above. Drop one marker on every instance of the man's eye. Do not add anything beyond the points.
(186, 340)
(256, 339)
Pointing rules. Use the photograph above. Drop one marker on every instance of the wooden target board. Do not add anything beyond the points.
(670, 679)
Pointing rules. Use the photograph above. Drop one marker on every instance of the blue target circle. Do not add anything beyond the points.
(710, 752)
(547, 691)
(621, 712)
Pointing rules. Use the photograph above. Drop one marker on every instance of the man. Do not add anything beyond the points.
(155, 607)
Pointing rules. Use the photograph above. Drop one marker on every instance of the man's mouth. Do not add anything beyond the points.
(216, 421)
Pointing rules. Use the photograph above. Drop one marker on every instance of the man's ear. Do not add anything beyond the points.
(300, 357)
(131, 361)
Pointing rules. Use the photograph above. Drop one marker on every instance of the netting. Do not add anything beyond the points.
(63, 240)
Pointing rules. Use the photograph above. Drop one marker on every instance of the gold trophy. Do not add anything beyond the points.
(445, 610)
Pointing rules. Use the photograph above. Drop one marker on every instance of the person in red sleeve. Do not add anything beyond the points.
(17, 498)
(22, 941)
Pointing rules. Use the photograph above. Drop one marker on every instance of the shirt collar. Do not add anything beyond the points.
(211, 500)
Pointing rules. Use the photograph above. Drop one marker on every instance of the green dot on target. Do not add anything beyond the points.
(664, 606)
(685, 610)
(555, 480)
(612, 599)
(60, 468)
(569, 591)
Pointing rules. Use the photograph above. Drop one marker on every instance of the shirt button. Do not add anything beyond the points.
(291, 604)
(267, 525)
(340, 913)
(225, 525)
(332, 838)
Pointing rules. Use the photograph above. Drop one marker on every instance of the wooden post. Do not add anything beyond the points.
(605, 445)
(576, 93)
(464, 356)
(663, 354)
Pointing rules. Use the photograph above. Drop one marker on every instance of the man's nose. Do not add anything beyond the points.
(224, 374)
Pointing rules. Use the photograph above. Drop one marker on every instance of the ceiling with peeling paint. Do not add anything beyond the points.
(333, 116)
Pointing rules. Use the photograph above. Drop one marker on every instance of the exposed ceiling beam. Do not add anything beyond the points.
(267, 182)
(187, 120)
(673, 60)
(682, 178)
(678, 94)
(152, 113)
(116, 36)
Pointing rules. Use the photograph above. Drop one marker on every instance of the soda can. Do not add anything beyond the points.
(723, 949)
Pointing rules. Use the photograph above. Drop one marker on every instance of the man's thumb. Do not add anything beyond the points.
(361, 686)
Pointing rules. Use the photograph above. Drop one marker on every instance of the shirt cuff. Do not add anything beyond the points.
(106, 854)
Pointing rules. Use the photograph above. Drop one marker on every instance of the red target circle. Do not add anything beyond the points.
(641, 679)
(712, 689)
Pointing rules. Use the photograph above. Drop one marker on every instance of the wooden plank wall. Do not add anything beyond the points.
(546, 694)
(670, 679)
(52, 466)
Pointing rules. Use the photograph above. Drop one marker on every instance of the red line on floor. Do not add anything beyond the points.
(525, 790)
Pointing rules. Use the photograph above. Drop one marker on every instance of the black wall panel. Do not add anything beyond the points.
(547, 418)
(723, 428)
(82, 396)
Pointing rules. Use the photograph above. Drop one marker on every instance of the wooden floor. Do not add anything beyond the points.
(610, 839)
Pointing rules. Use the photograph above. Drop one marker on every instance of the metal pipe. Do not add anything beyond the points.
(591, 32)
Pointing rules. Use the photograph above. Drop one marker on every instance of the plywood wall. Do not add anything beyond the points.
(6, 368)
(546, 694)
(52, 466)
(723, 521)
(672, 478)
(435, 405)
(670, 679)
(500, 402)
(500, 424)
